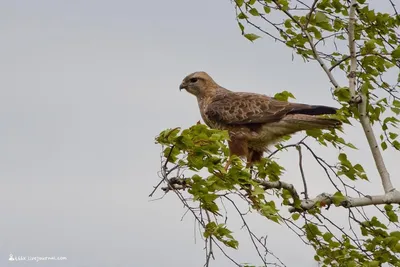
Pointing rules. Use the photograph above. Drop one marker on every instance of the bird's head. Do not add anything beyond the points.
(198, 84)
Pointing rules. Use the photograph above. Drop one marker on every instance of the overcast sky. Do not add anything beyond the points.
(85, 88)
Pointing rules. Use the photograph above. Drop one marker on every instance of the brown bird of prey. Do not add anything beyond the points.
(254, 121)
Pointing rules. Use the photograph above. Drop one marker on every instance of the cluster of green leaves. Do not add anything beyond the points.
(203, 147)
(378, 51)
(329, 137)
(377, 40)
(198, 148)
(322, 137)
(349, 170)
(222, 233)
(188, 147)
(379, 246)
(389, 124)
(383, 244)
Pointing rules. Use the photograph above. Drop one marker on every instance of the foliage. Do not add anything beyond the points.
(316, 31)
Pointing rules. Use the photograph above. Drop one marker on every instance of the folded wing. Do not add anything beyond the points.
(246, 108)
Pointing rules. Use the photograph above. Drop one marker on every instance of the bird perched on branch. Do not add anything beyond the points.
(254, 121)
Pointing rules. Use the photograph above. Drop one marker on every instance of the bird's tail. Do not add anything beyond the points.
(308, 122)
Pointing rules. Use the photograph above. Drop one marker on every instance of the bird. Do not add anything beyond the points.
(254, 121)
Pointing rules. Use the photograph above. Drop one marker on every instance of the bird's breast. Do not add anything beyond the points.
(203, 104)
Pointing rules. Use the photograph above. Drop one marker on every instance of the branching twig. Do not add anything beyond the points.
(394, 7)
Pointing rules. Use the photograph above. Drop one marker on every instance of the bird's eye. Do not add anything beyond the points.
(193, 80)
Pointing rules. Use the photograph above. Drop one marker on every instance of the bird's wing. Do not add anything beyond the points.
(244, 108)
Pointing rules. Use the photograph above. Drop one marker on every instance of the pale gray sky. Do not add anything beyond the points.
(85, 88)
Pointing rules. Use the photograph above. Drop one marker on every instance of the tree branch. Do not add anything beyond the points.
(326, 199)
(182, 184)
(361, 99)
(279, 185)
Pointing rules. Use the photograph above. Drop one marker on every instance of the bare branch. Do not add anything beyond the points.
(326, 199)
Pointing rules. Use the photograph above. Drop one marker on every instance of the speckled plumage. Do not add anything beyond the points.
(254, 121)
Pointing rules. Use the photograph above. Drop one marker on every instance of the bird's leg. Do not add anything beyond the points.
(228, 163)
(251, 171)
(249, 163)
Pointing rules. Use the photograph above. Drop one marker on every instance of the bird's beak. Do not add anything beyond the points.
(182, 86)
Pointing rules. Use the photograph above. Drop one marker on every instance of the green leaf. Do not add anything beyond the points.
(241, 27)
(295, 216)
(369, 46)
(312, 231)
(396, 53)
(396, 144)
(359, 168)
(284, 96)
(393, 135)
(396, 110)
(251, 36)
(388, 207)
(375, 222)
(321, 17)
(372, 264)
(232, 243)
(171, 155)
(242, 16)
(343, 94)
(392, 216)
(267, 9)
(384, 145)
(338, 198)
(239, 3)
(254, 12)
(316, 32)
(327, 236)
(288, 23)
(258, 190)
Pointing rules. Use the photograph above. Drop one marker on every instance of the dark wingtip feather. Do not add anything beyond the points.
(315, 110)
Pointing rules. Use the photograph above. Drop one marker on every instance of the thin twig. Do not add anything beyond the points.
(338, 63)
(394, 7)
(208, 244)
(302, 172)
(248, 230)
(314, 5)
